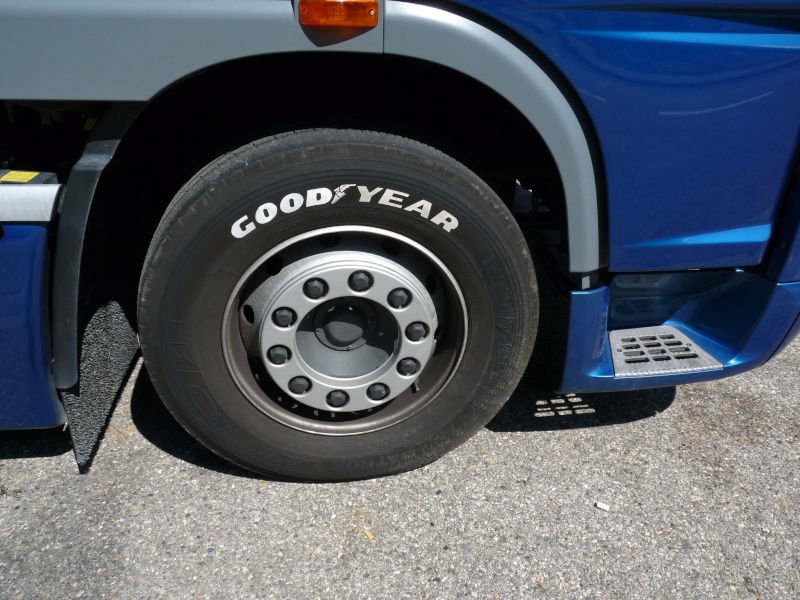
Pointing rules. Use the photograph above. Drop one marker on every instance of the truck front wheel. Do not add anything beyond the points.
(335, 304)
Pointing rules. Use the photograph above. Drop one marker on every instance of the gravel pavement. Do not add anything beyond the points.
(701, 485)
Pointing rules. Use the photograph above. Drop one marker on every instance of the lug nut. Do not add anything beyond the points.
(360, 281)
(315, 288)
(377, 391)
(299, 385)
(407, 366)
(283, 317)
(416, 331)
(337, 399)
(278, 355)
(399, 298)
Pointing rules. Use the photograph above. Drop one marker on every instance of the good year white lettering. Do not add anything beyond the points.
(293, 202)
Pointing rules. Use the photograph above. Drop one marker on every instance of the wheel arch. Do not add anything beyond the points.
(542, 96)
(542, 115)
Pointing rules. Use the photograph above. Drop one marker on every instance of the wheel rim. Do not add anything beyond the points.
(345, 340)
(344, 330)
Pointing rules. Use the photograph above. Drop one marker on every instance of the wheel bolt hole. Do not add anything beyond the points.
(360, 281)
(315, 288)
(278, 355)
(284, 317)
(377, 391)
(249, 314)
(416, 331)
(337, 399)
(407, 366)
(399, 298)
(299, 385)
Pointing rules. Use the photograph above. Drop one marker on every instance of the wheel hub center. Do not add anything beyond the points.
(343, 330)
(345, 324)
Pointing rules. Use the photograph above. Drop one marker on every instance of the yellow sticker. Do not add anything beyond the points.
(19, 176)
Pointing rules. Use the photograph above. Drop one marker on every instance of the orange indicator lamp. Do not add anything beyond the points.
(339, 13)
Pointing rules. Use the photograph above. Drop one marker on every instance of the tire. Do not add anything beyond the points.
(335, 305)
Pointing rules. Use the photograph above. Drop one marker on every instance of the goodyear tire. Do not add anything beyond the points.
(333, 305)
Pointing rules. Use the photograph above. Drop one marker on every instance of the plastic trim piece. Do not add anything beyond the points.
(23, 203)
(75, 208)
(83, 180)
(424, 32)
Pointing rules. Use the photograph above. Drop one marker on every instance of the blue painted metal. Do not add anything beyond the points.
(758, 235)
(697, 117)
(793, 334)
(643, 300)
(742, 324)
(785, 263)
(27, 397)
(588, 365)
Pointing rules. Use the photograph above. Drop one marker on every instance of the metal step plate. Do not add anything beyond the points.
(658, 350)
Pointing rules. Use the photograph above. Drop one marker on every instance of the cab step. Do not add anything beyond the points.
(660, 350)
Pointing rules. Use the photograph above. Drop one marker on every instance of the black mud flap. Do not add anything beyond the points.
(108, 348)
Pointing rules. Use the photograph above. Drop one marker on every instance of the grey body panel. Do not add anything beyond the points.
(21, 203)
(441, 37)
(132, 49)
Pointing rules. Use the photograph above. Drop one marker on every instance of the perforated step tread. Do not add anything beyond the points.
(658, 350)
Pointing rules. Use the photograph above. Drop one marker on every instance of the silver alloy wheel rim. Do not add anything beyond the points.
(315, 360)
(285, 288)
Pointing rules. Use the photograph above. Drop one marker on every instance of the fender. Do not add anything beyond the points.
(74, 215)
(111, 55)
(441, 37)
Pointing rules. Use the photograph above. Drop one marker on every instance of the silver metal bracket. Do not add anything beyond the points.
(27, 197)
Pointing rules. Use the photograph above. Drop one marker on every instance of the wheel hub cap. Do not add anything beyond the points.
(345, 323)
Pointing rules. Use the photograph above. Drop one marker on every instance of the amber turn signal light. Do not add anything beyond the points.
(339, 13)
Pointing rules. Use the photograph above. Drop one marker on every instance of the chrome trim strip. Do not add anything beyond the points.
(28, 203)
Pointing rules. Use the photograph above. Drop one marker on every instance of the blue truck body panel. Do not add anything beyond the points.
(697, 117)
(742, 328)
(784, 265)
(27, 397)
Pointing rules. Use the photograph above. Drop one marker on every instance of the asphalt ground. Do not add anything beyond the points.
(701, 485)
